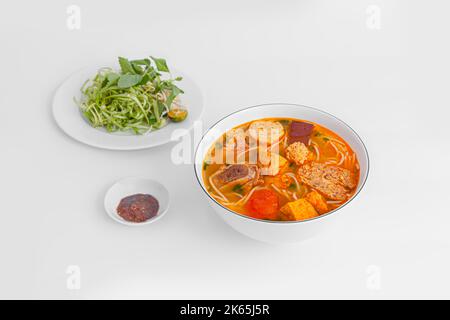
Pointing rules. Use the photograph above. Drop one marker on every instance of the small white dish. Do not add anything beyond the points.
(131, 186)
(70, 119)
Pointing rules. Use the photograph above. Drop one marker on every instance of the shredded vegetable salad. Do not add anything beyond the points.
(135, 99)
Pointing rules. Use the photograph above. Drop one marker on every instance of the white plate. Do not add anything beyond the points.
(131, 186)
(71, 121)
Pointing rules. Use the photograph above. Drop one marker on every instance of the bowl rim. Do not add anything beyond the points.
(364, 179)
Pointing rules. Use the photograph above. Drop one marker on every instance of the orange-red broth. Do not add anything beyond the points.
(322, 141)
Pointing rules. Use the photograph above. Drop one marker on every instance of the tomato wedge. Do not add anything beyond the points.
(263, 204)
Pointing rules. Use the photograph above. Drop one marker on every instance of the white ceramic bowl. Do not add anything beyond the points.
(130, 186)
(283, 231)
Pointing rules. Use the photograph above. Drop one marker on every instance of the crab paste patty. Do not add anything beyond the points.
(138, 207)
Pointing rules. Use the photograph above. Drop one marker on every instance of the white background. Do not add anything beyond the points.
(390, 85)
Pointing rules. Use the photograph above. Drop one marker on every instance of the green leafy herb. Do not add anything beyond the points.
(326, 139)
(161, 64)
(292, 186)
(141, 62)
(135, 99)
(205, 165)
(112, 78)
(238, 188)
(129, 80)
(175, 93)
(126, 66)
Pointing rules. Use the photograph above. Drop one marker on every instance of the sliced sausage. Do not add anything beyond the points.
(233, 172)
(300, 132)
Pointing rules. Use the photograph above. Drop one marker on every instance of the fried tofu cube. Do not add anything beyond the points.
(282, 163)
(298, 153)
(298, 210)
(318, 201)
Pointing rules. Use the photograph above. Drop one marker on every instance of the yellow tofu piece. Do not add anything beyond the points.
(277, 163)
(282, 163)
(298, 210)
(318, 201)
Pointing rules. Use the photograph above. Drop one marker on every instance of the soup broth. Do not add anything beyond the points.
(281, 169)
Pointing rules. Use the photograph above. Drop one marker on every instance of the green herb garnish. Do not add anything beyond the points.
(136, 98)
(292, 186)
(238, 188)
